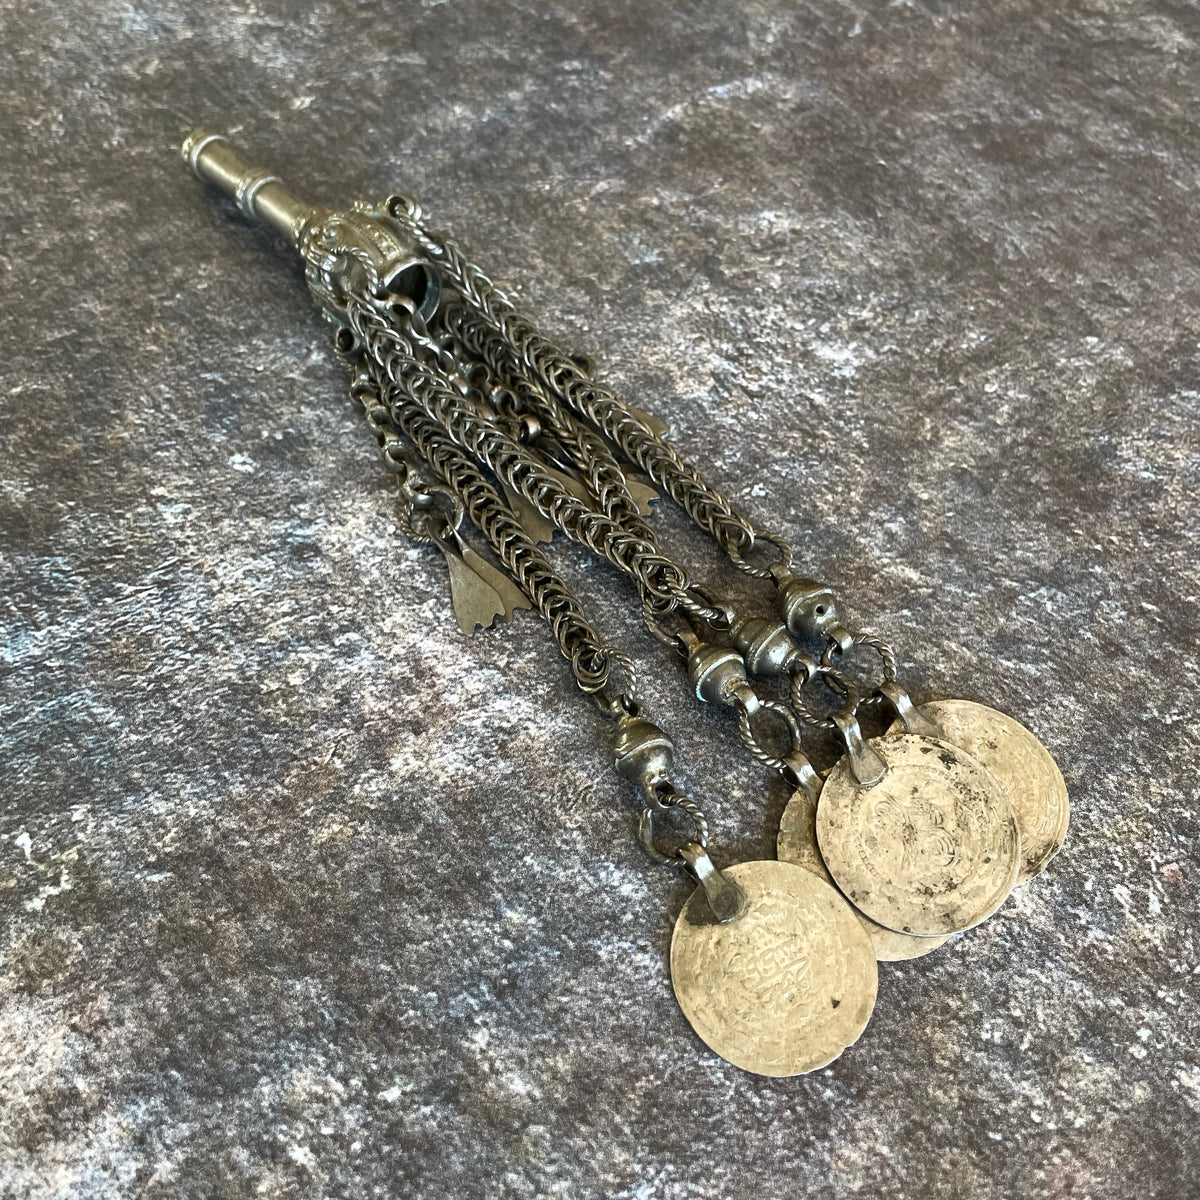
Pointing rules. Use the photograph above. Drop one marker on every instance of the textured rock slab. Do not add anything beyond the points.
(303, 895)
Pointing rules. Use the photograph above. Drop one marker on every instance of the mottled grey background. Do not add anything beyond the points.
(302, 895)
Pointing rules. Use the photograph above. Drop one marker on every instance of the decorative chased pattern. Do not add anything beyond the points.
(1022, 766)
(786, 987)
(930, 849)
(797, 843)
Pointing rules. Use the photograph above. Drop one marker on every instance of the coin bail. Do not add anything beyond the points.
(865, 764)
(912, 719)
(726, 898)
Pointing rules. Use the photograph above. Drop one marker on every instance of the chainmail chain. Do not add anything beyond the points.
(445, 390)
(519, 346)
(577, 640)
(591, 661)
(475, 394)
(590, 451)
(390, 340)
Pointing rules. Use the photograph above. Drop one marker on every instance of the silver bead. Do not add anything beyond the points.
(642, 753)
(719, 676)
(810, 610)
(765, 645)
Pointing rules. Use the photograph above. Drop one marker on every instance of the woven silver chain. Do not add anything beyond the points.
(476, 392)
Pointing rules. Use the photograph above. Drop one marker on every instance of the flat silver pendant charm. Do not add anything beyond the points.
(931, 847)
(797, 843)
(1022, 766)
(785, 987)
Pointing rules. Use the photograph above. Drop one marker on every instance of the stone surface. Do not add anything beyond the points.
(302, 894)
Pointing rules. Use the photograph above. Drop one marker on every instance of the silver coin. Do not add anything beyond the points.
(1022, 766)
(797, 843)
(786, 987)
(931, 848)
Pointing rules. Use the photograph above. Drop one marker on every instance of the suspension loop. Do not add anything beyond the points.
(753, 741)
(623, 703)
(754, 570)
(833, 653)
(403, 208)
(667, 797)
(656, 626)
(429, 511)
(348, 346)
(842, 686)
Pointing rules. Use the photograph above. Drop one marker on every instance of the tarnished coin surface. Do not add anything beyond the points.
(786, 987)
(1022, 766)
(797, 843)
(931, 848)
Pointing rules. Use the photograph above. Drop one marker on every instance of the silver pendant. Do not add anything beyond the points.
(785, 987)
(930, 847)
(1021, 765)
(797, 843)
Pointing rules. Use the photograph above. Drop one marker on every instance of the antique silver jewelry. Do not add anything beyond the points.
(500, 441)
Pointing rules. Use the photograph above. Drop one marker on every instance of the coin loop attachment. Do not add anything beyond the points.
(931, 848)
(786, 987)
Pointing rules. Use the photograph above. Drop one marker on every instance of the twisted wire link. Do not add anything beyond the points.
(887, 657)
(666, 797)
(841, 685)
(526, 351)
(626, 702)
(753, 743)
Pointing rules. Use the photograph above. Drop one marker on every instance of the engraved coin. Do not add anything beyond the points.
(797, 843)
(1022, 766)
(786, 987)
(931, 848)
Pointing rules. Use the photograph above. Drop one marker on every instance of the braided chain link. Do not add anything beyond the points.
(422, 385)
(516, 344)
(578, 642)
(604, 474)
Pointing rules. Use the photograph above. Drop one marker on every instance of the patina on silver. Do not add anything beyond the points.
(786, 987)
(484, 419)
(797, 843)
(361, 249)
(931, 848)
(1021, 765)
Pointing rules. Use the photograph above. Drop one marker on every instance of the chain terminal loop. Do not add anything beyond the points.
(666, 797)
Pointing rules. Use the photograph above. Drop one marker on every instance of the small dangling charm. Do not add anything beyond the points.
(480, 594)
(537, 526)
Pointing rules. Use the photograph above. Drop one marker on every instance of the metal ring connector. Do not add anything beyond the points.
(248, 189)
(886, 654)
(783, 562)
(674, 800)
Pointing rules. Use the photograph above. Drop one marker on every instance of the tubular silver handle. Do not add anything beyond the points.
(259, 194)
